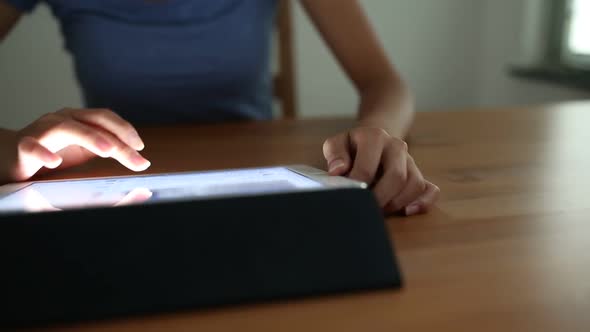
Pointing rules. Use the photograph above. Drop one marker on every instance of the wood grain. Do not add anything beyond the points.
(506, 249)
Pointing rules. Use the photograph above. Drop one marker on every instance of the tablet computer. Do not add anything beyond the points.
(100, 248)
(42, 196)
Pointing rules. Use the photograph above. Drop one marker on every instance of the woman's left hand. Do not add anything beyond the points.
(371, 155)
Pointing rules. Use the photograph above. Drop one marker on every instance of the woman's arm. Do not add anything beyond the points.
(385, 101)
(373, 151)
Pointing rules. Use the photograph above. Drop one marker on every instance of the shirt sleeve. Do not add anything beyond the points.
(23, 5)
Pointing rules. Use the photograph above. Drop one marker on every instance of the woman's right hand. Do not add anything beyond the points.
(71, 137)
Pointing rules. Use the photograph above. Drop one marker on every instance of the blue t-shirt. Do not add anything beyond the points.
(170, 61)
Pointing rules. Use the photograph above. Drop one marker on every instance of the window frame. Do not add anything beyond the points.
(557, 65)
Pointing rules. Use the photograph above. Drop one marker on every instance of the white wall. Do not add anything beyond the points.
(453, 53)
(431, 43)
(36, 75)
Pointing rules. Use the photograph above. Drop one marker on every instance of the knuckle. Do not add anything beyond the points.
(393, 153)
(380, 134)
(65, 124)
(25, 145)
(51, 117)
(369, 134)
(399, 145)
(359, 135)
(399, 174)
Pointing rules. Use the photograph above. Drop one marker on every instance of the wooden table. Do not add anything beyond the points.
(507, 248)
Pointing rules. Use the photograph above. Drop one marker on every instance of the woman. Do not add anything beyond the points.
(167, 61)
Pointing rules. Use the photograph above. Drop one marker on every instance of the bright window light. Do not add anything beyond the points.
(579, 29)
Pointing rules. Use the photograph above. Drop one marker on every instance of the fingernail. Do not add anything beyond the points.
(142, 166)
(48, 156)
(103, 144)
(412, 209)
(54, 163)
(138, 159)
(335, 164)
(136, 142)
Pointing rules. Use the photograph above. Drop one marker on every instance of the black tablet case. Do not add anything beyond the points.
(112, 262)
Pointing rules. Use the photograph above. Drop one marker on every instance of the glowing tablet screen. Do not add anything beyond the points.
(60, 195)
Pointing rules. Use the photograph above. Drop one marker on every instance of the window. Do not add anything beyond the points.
(576, 33)
(565, 56)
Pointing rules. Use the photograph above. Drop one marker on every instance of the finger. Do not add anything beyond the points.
(71, 132)
(125, 155)
(415, 186)
(101, 143)
(111, 122)
(337, 153)
(368, 146)
(33, 156)
(425, 201)
(395, 173)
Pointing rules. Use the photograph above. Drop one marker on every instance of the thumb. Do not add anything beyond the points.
(337, 154)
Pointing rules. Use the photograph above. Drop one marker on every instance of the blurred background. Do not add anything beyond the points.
(454, 54)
